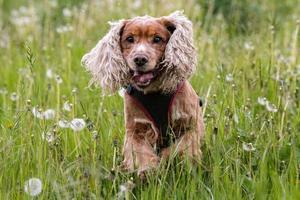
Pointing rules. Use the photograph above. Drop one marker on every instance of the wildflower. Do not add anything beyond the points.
(95, 135)
(137, 4)
(37, 113)
(67, 12)
(58, 79)
(3, 91)
(14, 96)
(33, 187)
(49, 114)
(49, 73)
(77, 124)
(249, 46)
(67, 106)
(63, 123)
(248, 147)
(4, 40)
(262, 100)
(229, 78)
(64, 29)
(124, 188)
(74, 90)
(271, 107)
(53, 3)
(122, 92)
(49, 136)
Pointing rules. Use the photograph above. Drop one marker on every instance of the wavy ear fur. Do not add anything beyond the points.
(105, 61)
(180, 54)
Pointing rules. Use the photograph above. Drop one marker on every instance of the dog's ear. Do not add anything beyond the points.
(105, 61)
(180, 52)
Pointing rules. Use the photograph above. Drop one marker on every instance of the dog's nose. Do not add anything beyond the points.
(140, 61)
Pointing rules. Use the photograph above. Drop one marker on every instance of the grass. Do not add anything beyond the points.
(248, 51)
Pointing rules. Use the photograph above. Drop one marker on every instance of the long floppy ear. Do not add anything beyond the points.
(105, 61)
(180, 54)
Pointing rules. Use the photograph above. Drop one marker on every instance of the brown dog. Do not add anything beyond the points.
(152, 58)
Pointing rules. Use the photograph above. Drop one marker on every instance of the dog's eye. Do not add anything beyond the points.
(157, 39)
(130, 39)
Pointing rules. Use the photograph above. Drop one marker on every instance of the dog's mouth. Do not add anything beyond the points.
(143, 79)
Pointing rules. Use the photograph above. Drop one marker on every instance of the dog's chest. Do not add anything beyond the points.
(158, 108)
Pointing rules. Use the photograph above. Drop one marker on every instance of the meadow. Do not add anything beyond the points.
(60, 139)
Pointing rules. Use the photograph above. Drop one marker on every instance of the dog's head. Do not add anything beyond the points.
(153, 54)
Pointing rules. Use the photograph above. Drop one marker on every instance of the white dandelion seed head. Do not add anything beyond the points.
(38, 113)
(122, 92)
(64, 29)
(123, 188)
(3, 91)
(49, 136)
(95, 135)
(249, 46)
(248, 147)
(49, 73)
(77, 124)
(271, 107)
(262, 100)
(67, 12)
(58, 79)
(63, 123)
(74, 90)
(33, 187)
(229, 78)
(49, 114)
(67, 106)
(14, 96)
(53, 3)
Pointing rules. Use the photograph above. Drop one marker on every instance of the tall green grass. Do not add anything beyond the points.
(248, 74)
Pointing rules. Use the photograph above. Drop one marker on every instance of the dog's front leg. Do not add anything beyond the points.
(139, 153)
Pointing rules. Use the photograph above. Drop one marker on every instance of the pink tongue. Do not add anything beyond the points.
(143, 78)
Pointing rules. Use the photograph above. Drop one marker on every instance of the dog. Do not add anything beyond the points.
(152, 58)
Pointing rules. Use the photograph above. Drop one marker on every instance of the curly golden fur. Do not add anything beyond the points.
(112, 65)
(108, 68)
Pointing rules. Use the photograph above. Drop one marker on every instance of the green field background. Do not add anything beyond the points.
(248, 74)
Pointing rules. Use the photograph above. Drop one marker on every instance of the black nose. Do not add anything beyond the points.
(140, 61)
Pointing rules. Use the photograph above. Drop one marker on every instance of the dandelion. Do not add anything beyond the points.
(58, 79)
(271, 107)
(64, 29)
(249, 46)
(248, 147)
(67, 12)
(14, 96)
(37, 113)
(3, 91)
(49, 73)
(49, 114)
(4, 40)
(262, 100)
(53, 3)
(67, 106)
(77, 124)
(122, 92)
(124, 188)
(49, 136)
(74, 90)
(95, 135)
(137, 4)
(229, 78)
(63, 123)
(33, 187)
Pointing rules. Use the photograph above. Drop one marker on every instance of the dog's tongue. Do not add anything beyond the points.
(142, 77)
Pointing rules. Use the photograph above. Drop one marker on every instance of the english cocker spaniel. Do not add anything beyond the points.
(152, 58)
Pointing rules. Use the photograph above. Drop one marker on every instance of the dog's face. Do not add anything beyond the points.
(152, 54)
(143, 43)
